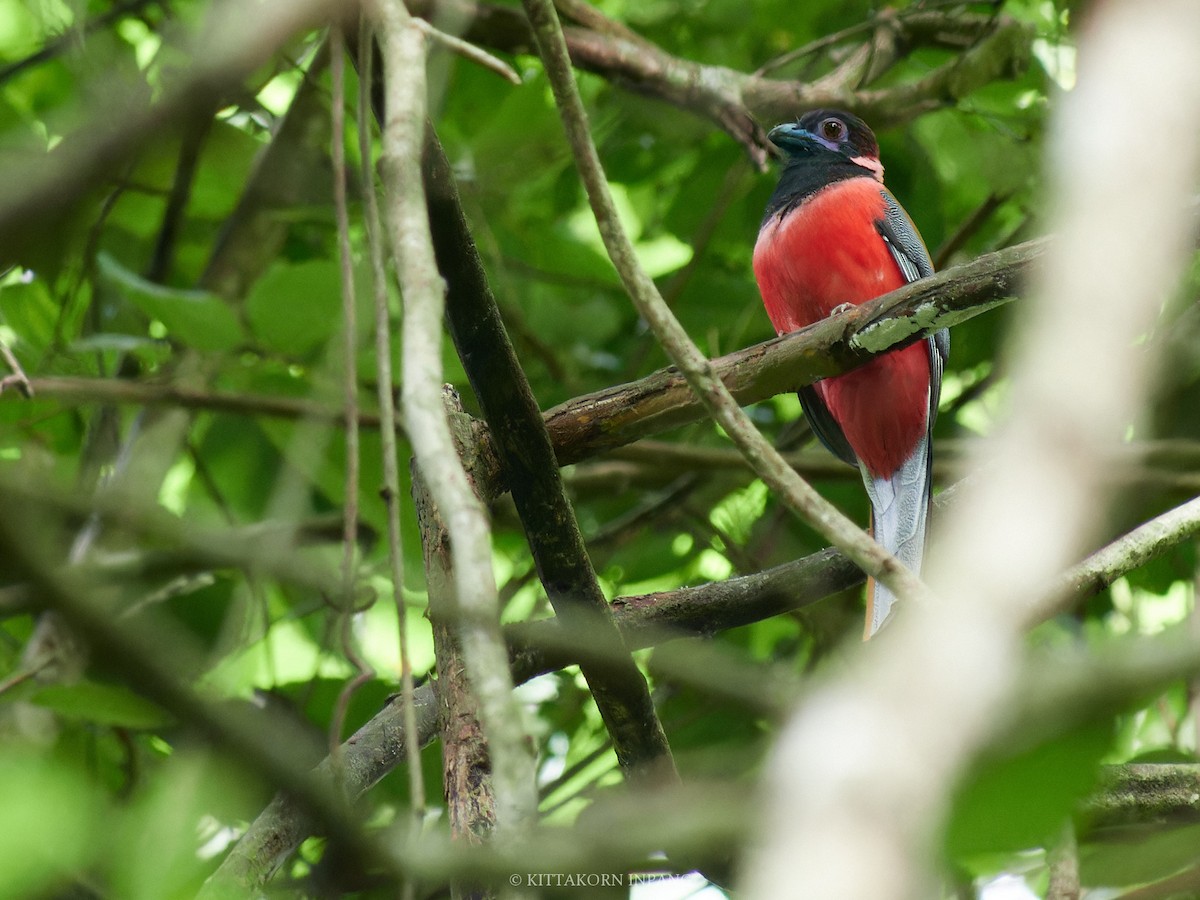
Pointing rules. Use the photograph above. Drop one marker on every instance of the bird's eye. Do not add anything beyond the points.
(832, 129)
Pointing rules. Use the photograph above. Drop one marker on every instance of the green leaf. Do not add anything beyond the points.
(47, 823)
(195, 318)
(295, 309)
(163, 835)
(27, 307)
(1022, 801)
(1137, 858)
(101, 704)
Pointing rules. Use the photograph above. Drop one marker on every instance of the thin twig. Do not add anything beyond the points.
(969, 227)
(473, 52)
(346, 605)
(387, 415)
(1123, 555)
(195, 132)
(811, 47)
(18, 378)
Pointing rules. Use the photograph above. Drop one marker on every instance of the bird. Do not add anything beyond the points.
(832, 235)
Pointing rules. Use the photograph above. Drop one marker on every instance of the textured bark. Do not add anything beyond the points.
(1063, 858)
(1142, 794)
(466, 767)
(428, 411)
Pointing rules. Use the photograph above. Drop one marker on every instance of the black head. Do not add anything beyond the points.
(829, 135)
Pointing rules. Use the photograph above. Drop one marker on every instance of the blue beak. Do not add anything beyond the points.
(791, 137)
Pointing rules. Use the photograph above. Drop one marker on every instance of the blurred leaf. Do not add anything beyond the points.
(101, 704)
(195, 318)
(1139, 856)
(1023, 801)
(296, 309)
(48, 823)
(169, 830)
(28, 308)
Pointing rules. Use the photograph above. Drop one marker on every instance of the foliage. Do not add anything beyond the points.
(213, 520)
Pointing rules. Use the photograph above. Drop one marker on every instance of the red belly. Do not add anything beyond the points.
(825, 253)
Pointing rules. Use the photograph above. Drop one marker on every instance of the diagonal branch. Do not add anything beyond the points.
(618, 415)
(662, 400)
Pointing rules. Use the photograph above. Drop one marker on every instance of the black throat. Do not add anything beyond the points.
(803, 176)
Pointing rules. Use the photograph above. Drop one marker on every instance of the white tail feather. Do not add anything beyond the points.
(899, 510)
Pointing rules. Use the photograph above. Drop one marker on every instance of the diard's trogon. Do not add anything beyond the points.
(834, 235)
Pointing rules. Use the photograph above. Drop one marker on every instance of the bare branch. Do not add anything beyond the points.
(362, 672)
(618, 415)
(466, 765)
(1105, 566)
(470, 51)
(1086, 685)
(17, 375)
(369, 754)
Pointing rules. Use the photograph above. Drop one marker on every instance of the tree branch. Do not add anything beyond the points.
(1139, 794)
(662, 400)
(366, 757)
(389, 426)
(618, 415)
(523, 444)
(1105, 566)
(466, 764)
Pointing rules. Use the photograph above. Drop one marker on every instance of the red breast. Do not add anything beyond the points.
(822, 253)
